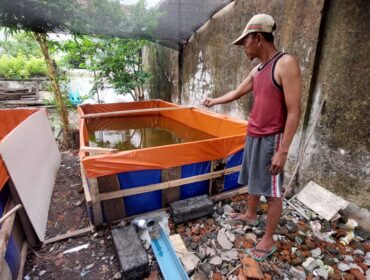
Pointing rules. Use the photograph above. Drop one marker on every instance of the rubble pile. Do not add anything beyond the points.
(315, 249)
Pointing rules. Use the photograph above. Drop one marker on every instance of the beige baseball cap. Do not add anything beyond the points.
(258, 23)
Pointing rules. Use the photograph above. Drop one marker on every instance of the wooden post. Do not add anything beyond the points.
(23, 260)
(211, 180)
(95, 201)
(173, 194)
(113, 209)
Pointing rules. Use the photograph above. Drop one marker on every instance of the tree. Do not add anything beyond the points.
(38, 17)
(113, 60)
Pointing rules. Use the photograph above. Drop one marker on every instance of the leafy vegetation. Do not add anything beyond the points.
(21, 67)
(115, 61)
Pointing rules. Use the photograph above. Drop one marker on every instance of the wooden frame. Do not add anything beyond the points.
(94, 197)
(10, 226)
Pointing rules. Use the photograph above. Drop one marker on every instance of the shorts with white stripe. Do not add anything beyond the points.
(258, 153)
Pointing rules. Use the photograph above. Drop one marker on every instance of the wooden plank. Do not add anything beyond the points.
(23, 260)
(84, 185)
(170, 184)
(229, 194)
(133, 112)
(98, 150)
(173, 194)
(5, 232)
(95, 201)
(215, 198)
(71, 234)
(114, 209)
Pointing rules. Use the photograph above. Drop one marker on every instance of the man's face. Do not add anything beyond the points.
(250, 46)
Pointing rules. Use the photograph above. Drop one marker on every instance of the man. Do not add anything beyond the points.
(272, 123)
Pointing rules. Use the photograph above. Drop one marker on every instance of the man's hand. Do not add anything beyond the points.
(209, 102)
(278, 162)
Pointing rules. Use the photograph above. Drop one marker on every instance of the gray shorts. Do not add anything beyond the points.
(256, 163)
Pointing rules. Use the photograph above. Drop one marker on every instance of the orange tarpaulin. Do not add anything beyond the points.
(9, 120)
(228, 137)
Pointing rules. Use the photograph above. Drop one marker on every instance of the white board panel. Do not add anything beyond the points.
(320, 200)
(32, 159)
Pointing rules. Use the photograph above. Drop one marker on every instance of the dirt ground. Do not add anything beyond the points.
(68, 213)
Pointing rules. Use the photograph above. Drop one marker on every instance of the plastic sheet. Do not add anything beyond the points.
(229, 139)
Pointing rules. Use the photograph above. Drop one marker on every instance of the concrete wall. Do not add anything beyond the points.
(336, 158)
(339, 154)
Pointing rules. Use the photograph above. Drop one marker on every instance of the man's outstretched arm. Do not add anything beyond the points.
(245, 87)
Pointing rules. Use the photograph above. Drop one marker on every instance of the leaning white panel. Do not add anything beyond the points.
(32, 159)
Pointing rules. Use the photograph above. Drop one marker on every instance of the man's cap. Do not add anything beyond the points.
(258, 23)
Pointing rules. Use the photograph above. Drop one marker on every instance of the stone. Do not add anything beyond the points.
(298, 273)
(199, 275)
(310, 264)
(343, 267)
(216, 261)
(220, 210)
(358, 274)
(230, 236)
(117, 275)
(316, 253)
(210, 251)
(233, 254)
(223, 240)
(332, 250)
(348, 276)
(321, 272)
(291, 227)
(206, 267)
(191, 208)
(131, 253)
(251, 236)
(228, 209)
(217, 276)
(358, 252)
(224, 270)
(355, 266)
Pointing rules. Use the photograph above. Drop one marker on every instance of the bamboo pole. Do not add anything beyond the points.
(133, 112)
(11, 212)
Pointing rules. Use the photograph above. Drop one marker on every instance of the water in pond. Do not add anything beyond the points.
(131, 133)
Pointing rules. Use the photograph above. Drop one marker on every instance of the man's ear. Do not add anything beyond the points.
(259, 38)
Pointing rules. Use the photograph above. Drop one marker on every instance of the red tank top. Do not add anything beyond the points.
(269, 110)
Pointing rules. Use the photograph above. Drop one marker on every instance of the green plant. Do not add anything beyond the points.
(21, 67)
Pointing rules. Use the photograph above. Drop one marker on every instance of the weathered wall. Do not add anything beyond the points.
(339, 154)
(337, 158)
(162, 62)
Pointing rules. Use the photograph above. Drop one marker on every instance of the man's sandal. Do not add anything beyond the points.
(236, 217)
(267, 253)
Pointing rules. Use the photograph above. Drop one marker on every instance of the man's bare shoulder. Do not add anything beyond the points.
(288, 60)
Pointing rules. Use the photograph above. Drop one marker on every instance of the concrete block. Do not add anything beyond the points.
(191, 208)
(131, 253)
